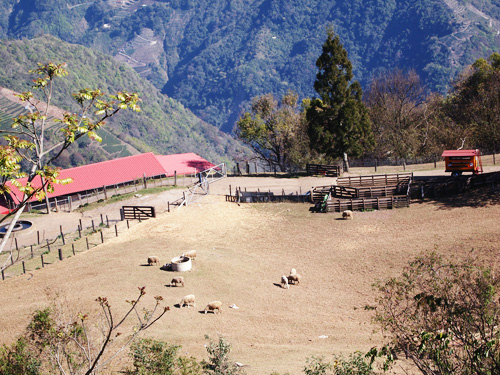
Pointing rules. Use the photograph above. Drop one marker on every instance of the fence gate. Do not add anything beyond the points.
(137, 212)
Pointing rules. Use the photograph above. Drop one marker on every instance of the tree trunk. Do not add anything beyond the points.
(47, 201)
(9, 229)
(346, 163)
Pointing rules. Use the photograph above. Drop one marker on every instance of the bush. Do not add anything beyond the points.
(157, 357)
(18, 359)
(443, 315)
(219, 362)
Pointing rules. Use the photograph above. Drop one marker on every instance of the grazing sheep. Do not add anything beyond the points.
(177, 280)
(294, 279)
(347, 215)
(284, 282)
(293, 271)
(187, 300)
(153, 260)
(214, 305)
(190, 254)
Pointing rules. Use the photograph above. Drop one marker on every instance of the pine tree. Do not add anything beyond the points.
(338, 121)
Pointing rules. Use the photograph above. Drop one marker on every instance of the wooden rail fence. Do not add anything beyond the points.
(137, 212)
(359, 204)
(323, 169)
(376, 180)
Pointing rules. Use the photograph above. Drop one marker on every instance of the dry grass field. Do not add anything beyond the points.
(242, 252)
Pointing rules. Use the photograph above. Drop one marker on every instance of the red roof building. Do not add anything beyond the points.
(122, 170)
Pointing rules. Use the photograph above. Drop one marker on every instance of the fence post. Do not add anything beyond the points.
(128, 225)
(107, 221)
(116, 230)
(38, 236)
(168, 206)
(41, 257)
(62, 235)
(102, 220)
(73, 248)
(93, 226)
(70, 203)
(175, 178)
(3, 276)
(31, 251)
(79, 232)
(144, 181)
(81, 226)
(48, 245)
(87, 240)
(60, 254)
(17, 247)
(105, 193)
(102, 237)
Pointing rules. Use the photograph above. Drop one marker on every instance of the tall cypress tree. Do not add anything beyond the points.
(338, 121)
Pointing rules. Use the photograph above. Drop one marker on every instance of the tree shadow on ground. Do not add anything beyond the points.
(476, 198)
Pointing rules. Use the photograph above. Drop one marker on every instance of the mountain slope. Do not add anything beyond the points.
(214, 56)
(163, 126)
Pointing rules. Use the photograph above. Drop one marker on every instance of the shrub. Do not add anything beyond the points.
(218, 357)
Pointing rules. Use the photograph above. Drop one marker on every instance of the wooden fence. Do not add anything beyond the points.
(360, 204)
(137, 212)
(376, 180)
(323, 169)
(350, 192)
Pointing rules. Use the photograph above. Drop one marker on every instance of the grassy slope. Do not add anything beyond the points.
(163, 126)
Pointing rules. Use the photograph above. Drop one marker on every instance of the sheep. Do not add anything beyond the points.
(176, 281)
(347, 215)
(294, 279)
(293, 271)
(187, 300)
(190, 254)
(153, 260)
(284, 282)
(214, 305)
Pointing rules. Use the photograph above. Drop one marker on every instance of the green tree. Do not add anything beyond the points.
(338, 120)
(37, 141)
(474, 104)
(275, 131)
(443, 315)
(219, 362)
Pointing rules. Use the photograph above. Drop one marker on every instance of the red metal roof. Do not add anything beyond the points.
(460, 153)
(183, 163)
(111, 172)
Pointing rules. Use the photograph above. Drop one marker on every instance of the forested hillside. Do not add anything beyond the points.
(163, 126)
(214, 56)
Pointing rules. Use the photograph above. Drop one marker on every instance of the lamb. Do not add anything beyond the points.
(294, 279)
(214, 305)
(187, 300)
(190, 254)
(284, 282)
(347, 215)
(153, 260)
(176, 281)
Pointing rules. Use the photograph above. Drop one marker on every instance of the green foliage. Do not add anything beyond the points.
(275, 131)
(443, 315)
(354, 364)
(219, 362)
(157, 357)
(338, 120)
(18, 359)
(317, 366)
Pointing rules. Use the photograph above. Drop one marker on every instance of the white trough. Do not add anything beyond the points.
(181, 264)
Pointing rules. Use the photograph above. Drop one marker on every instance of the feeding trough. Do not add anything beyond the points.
(20, 226)
(181, 264)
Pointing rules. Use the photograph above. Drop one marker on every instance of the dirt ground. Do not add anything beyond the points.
(242, 252)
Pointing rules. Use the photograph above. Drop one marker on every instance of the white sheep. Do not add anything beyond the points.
(190, 254)
(293, 271)
(347, 215)
(294, 279)
(214, 305)
(153, 260)
(176, 281)
(284, 282)
(187, 300)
